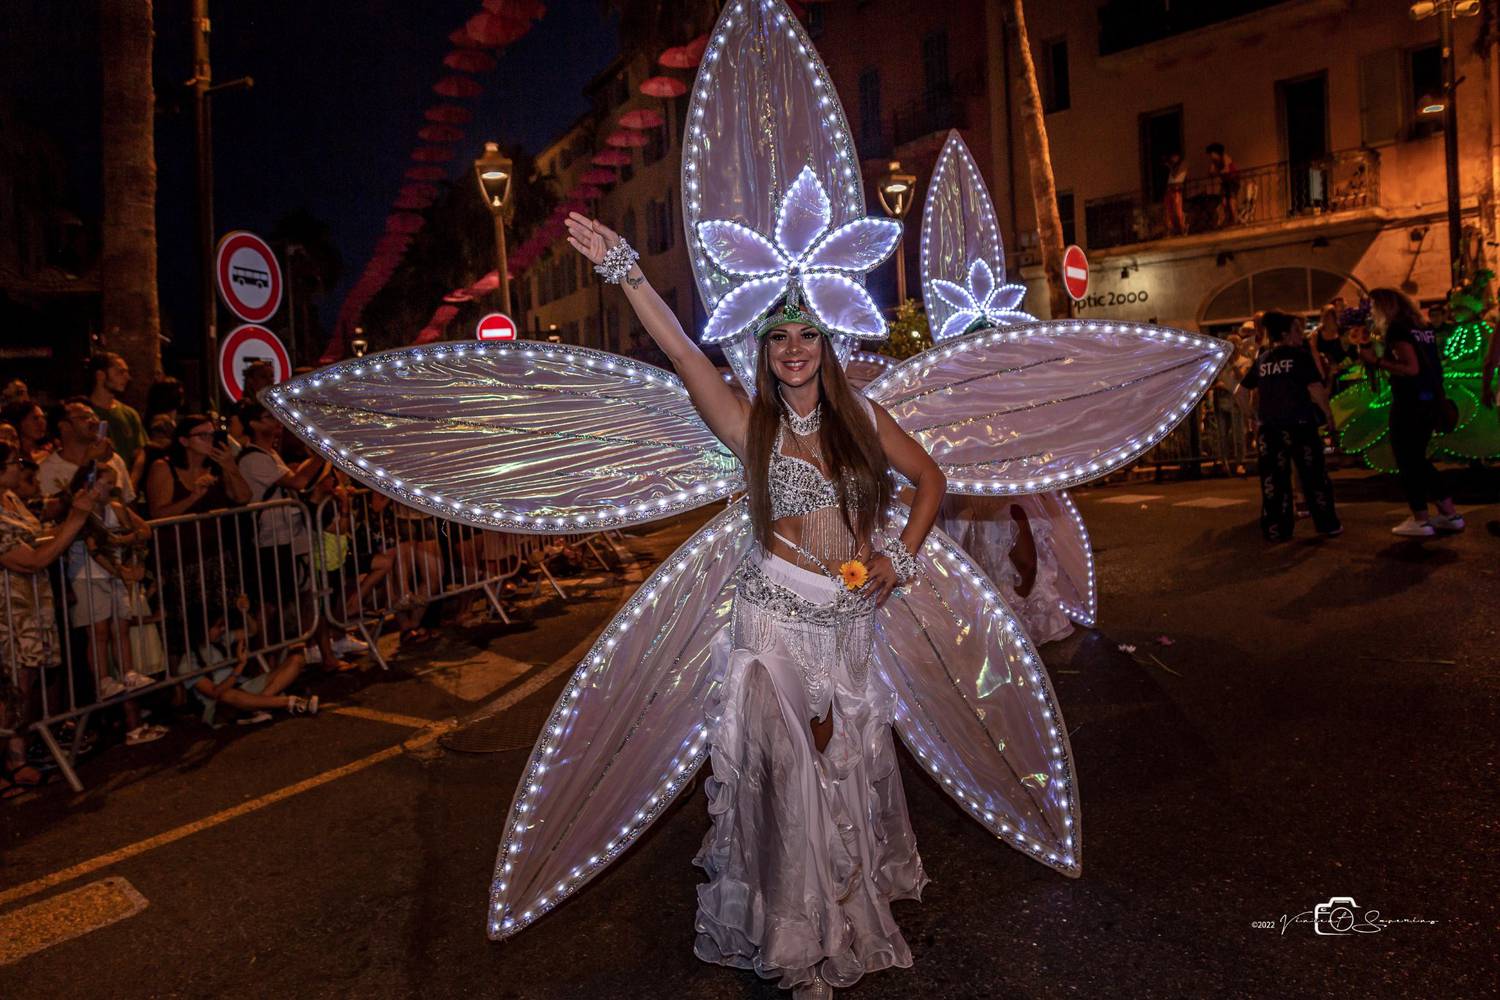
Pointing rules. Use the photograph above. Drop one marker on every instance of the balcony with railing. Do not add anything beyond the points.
(1257, 196)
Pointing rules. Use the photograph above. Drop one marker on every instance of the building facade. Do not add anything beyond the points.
(564, 299)
(1339, 182)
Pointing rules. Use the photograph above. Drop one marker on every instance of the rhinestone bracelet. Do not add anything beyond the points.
(902, 561)
(617, 262)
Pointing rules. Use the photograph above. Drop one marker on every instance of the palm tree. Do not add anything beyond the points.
(127, 273)
(1039, 161)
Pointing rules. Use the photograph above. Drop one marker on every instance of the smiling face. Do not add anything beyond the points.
(795, 351)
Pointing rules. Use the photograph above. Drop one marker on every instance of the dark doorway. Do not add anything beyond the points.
(1304, 117)
(1161, 136)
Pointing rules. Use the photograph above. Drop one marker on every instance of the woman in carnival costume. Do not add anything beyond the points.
(790, 634)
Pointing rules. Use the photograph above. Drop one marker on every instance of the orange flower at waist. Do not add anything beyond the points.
(854, 574)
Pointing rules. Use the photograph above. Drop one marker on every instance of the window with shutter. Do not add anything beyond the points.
(1380, 96)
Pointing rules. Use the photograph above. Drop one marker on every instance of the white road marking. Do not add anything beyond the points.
(1210, 503)
(1133, 498)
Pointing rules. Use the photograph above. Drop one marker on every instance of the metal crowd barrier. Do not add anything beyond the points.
(77, 637)
(382, 560)
(1214, 437)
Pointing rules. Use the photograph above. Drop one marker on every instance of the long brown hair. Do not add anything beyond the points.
(1396, 307)
(849, 445)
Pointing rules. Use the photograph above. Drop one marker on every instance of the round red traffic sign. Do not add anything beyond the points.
(244, 348)
(1075, 272)
(496, 326)
(248, 276)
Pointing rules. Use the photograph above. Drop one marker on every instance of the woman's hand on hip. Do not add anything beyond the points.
(882, 579)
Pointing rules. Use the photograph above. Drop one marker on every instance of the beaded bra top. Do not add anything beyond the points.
(797, 486)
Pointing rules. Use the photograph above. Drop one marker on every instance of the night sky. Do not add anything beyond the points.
(340, 88)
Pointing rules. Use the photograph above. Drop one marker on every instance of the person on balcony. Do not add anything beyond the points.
(1222, 168)
(1174, 211)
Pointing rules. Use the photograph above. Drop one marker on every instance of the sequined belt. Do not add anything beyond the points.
(785, 604)
(817, 635)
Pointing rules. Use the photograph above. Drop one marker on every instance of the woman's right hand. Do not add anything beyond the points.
(590, 237)
(204, 483)
(84, 501)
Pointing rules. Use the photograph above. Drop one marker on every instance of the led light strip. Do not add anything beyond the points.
(283, 402)
(920, 366)
(729, 528)
(1006, 826)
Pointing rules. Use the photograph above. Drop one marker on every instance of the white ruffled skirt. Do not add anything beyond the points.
(807, 849)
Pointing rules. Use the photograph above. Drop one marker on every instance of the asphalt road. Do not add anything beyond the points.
(1321, 723)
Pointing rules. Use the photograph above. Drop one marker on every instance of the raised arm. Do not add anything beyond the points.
(725, 413)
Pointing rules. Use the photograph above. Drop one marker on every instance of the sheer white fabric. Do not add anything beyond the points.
(988, 532)
(807, 850)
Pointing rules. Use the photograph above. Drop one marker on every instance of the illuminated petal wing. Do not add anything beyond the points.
(626, 735)
(739, 250)
(864, 368)
(975, 705)
(979, 524)
(518, 436)
(958, 230)
(954, 296)
(1008, 299)
(742, 307)
(857, 246)
(762, 110)
(843, 305)
(957, 322)
(981, 282)
(804, 215)
(1046, 405)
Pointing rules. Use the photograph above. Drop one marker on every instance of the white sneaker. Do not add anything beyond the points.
(348, 644)
(1447, 525)
(109, 687)
(144, 734)
(313, 655)
(134, 680)
(1412, 528)
(302, 706)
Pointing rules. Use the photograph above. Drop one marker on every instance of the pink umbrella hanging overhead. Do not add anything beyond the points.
(493, 29)
(458, 86)
(597, 176)
(642, 118)
(528, 10)
(440, 133)
(627, 138)
(611, 158)
(486, 284)
(432, 154)
(663, 86)
(459, 296)
(696, 47)
(443, 316)
(449, 114)
(425, 173)
(404, 222)
(413, 202)
(469, 61)
(586, 191)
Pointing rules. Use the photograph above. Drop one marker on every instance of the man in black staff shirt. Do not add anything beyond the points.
(1290, 402)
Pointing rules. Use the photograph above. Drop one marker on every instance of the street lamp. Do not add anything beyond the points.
(493, 170)
(897, 191)
(1446, 11)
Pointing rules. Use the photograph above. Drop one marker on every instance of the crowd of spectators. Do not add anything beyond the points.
(98, 540)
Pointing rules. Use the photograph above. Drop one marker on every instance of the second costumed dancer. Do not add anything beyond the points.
(804, 623)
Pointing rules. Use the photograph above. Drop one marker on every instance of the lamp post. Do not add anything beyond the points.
(897, 191)
(1446, 11)
(493, 171)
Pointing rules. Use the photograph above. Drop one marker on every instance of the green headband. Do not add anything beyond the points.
(789, 312)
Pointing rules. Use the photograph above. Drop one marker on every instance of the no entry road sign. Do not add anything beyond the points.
(1075, 273)
(496, 326)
